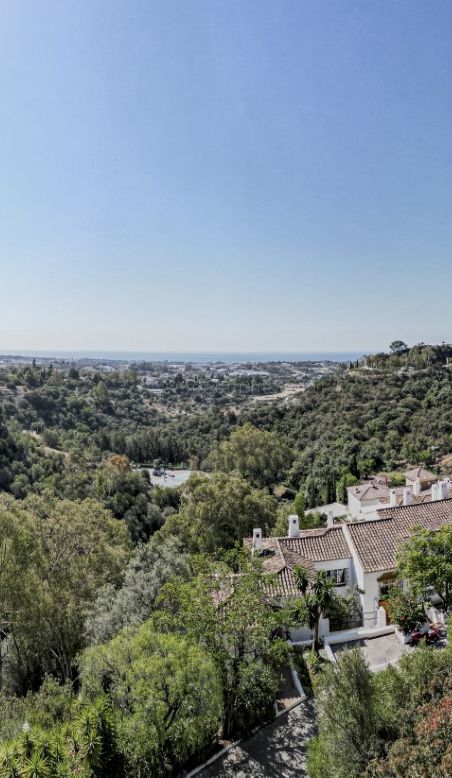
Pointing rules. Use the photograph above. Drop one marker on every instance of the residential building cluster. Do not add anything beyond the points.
(360, 551)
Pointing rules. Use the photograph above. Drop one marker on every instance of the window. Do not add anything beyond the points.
(339, 576)
(386, 586)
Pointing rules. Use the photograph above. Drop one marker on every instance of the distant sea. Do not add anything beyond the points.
(195, 356)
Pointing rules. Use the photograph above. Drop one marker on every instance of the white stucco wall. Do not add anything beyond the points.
(302, 634)
(354, 505)
(339, 564)
(367, 508)
(371, 596)
(359, 580)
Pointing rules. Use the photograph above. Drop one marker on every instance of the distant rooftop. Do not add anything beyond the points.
(373, 490)
(421, 474)
(336, 508)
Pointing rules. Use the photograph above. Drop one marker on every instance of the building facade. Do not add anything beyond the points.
(360, 555)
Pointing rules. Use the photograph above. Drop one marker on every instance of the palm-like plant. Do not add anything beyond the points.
(316, 599)
(323, 589)
(89, 726)
(36, 766)
(300, 575)
(9, 763)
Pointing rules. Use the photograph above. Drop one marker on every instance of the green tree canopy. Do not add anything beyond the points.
(315, 601)
(346, 479)
(218, 511)
(347, 719)
(85, 746)
(165, 694)
(426, 561)
(56, 554)
(393, 723)
(240, 631)
(398, 347)
(131, 604)
(299, 504)
(260, 456)
(406, 608)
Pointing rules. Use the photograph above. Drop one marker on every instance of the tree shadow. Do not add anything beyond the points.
(278, 750)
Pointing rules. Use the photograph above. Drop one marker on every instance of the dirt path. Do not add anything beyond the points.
(290, 390)
(46, 449)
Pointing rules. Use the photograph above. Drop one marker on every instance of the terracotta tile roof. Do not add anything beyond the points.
(280, 555)
(370, 491)
(318, 545)
(283, 586)
(421, 473)
(278, 561)
(221, 592)
(431, 515)
(377, 541)
(271, 558)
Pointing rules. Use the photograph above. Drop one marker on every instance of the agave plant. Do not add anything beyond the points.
(36, 766)
(89, 736)
(9, 764)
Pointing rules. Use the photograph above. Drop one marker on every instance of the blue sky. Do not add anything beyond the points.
(225, 175)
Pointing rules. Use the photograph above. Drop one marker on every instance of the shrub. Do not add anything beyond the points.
(301, 666)
(405, 608)
(318, 758)
(396, 479)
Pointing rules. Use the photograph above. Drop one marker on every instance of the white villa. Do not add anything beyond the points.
(368, 499)
(358, 554)
(365, 500)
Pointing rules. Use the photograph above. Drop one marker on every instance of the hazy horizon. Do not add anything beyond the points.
(185, 356)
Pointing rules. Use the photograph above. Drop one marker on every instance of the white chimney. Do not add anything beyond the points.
(436, 495)
(392, 498)
(443, 488)
(257, 539)
(407, 496)
(330, 519)
(294, 526)
(417, 487)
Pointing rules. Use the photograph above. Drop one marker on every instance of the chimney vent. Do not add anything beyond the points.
(257, 539)
(417, 487)
(443, 489)
(294, 526)
(392, 498)
(407, 496)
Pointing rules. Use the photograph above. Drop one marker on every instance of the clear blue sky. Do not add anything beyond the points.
(225, 174)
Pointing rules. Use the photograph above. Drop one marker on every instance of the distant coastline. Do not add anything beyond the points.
(198, 357)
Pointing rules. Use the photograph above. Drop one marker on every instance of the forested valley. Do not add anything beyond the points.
(118, 653)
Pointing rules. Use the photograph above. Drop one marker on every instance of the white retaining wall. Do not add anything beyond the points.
(361, 633)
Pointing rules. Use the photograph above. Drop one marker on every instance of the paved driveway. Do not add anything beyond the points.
(276, 751)
(379, 652)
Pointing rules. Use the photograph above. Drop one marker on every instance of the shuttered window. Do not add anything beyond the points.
(340, 577)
